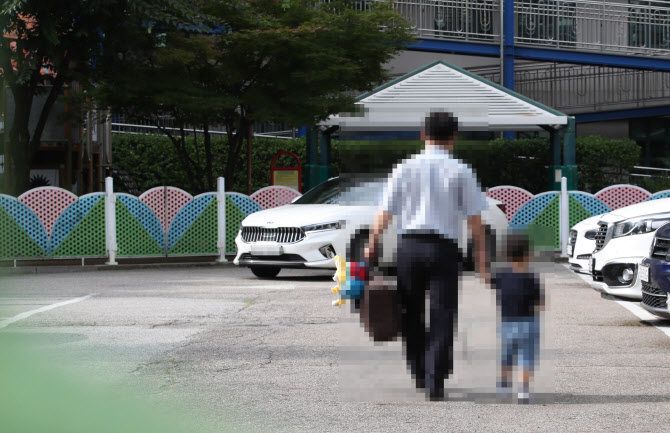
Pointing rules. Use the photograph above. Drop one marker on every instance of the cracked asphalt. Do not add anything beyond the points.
(227, 349)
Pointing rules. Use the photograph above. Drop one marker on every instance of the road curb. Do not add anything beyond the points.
(56, 269)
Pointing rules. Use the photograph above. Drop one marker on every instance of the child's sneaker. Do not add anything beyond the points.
(523, 398)
(504, 391)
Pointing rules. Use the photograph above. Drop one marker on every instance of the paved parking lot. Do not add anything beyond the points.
(229, 349)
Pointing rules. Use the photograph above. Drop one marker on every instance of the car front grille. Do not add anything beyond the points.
(601, 235)
(660, 248)
(282, 235)
(573, 241)
(288, 258)
(653, 297)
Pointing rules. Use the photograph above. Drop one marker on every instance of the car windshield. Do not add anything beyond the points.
(327, 192)
(364, 192)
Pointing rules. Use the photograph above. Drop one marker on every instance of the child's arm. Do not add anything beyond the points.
(539, 287)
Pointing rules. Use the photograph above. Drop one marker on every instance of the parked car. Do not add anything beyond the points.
(316, 227)
(581, 244)
(622, 242)
(655, 275)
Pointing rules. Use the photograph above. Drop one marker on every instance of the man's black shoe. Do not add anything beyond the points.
(435, 394)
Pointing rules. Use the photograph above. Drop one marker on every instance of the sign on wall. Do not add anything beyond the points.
(286, 176)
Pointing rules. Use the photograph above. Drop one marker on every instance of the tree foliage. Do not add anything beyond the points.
(293, 62)
(49, 43)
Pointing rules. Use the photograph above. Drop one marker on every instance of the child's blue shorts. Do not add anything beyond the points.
(520, 339)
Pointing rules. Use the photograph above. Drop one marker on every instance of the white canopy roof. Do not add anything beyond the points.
(479, 104)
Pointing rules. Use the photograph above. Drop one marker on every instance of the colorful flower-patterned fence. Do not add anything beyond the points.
(525, 210)
(50, 222)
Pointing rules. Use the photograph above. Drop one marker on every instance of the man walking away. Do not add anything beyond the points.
(430, 194)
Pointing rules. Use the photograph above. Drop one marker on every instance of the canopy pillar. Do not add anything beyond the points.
(310, 178)
(563, 139)
(317, 168)
(569, 155)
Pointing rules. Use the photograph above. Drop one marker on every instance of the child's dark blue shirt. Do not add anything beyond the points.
(518, 293)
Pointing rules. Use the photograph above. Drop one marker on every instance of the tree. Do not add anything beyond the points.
(293, 62)
(49, 43)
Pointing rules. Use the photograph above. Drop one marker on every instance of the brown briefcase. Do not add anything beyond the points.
(380, 309)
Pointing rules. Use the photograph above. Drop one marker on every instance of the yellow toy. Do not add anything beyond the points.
(340, 278)
(351, 278)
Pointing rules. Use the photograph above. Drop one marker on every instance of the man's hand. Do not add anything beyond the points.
(381, 222)
(370, 253)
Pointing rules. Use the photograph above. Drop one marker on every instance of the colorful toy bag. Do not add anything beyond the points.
(350, 278)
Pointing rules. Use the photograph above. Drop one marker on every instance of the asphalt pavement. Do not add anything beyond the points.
(223, 348)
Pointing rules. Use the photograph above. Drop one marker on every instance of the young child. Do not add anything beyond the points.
(520, 297)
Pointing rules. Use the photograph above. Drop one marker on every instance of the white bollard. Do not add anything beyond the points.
(564, 217)
(110, 221)
(221, 218)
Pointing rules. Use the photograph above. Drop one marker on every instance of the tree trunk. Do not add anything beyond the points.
(209, 172)
(187, 163)
(18, 157)
(235, 141)
(23, 145)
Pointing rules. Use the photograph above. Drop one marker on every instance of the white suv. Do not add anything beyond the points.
(623, 239)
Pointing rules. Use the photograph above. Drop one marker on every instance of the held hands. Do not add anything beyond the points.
(483, 269)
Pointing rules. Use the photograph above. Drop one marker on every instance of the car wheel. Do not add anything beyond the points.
(265, 271)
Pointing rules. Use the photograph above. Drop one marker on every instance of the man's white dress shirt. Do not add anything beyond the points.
(432, 192)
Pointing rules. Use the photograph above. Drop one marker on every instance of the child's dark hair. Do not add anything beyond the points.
(441, 126)
(518, 247)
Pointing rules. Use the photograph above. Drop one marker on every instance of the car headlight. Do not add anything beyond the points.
(591, 234)
(640, 225)
(320, 227)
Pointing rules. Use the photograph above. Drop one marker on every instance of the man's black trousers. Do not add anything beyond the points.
(428, 263)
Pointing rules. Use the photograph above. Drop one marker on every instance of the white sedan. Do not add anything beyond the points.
(321, 224)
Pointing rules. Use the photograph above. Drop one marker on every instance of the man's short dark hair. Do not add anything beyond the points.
(441, 126)
(518, 247)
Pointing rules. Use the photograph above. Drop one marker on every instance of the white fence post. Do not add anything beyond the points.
(110, 221)
(221, 218)
(564, 217)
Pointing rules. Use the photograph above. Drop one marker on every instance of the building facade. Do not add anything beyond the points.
(607, 63)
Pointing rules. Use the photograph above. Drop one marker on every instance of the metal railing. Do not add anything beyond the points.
(637, 27)
(471, 20)
(641, 27)
(580, 88)
(123, 125)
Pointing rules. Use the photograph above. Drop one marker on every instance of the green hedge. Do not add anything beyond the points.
(524, 162)
(604, 161)
(521, 162)
(152, 161)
